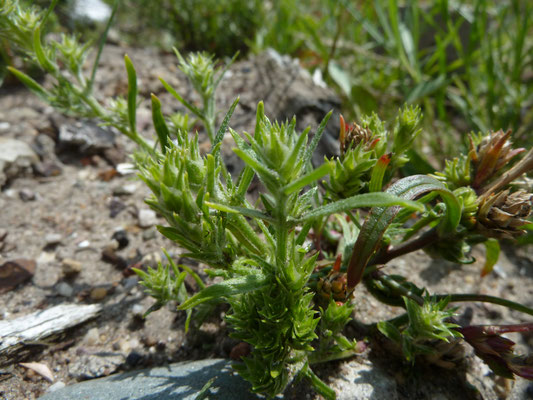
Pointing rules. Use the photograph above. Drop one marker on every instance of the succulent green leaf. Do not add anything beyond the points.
(316, 139)
(160, 125)
(44, 61)
(369, 239)
(132, 93)
(29, 82)
(247, 212)
(378, 199)
(492, 253)
(266, 174)
(224, 126)
(308, 178)
(390, 331)
(229, 288)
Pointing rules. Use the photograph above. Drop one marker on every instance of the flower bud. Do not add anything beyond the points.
(502, 214)
(497, 351)
(351, 135)
(491, 154)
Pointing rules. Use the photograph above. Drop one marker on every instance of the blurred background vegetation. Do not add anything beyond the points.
(468, 64)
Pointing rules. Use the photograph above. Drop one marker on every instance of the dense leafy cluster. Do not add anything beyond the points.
(288, 263)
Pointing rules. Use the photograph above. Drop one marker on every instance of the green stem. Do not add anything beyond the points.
(399, 289)
(455, 298)
(281, 230)
(353, 219)
(318, 384)
(208, 116)
(89, 87)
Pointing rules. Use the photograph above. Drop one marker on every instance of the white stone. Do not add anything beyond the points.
(46, 257)
(137, 310)
(84, 244)
(15, 157)
(92, 337)
(147, 218)
(363, 381)
(126, 168)
(64, 289)
(52, 238)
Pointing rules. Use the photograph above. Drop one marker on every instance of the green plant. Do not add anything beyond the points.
(291, 311)
(220, 28)
(466, 64)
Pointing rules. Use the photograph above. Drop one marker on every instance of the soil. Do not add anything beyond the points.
(88, 201)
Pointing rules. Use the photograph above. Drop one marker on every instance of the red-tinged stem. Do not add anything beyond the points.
(420, 242)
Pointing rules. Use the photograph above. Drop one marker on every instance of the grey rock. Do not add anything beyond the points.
(149, 234)
(95, 365)
(86, 136)
(16, 157)
(362, 380)
(130, 282)
(56, 386)
(177, 381)
(45, 146)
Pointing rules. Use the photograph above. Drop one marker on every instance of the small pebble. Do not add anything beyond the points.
(52, 239)
(130, 282)
(152, 259)
(110, 256)
(147, 218)
(149, 234)
(115, 207)
(64, 289)
(499, 272)
(124, 345)
(26, 195)
(11, 193)
(149, 340)
(91, 337)
(134, 359)
(56, 386)
(71, 267)
(126, 168)
(125, 190)
(84, 244)
(137, 310)
(46, 257)
(121, 237)
(98, 293)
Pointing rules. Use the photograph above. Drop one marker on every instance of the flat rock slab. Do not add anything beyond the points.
(177, 381)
